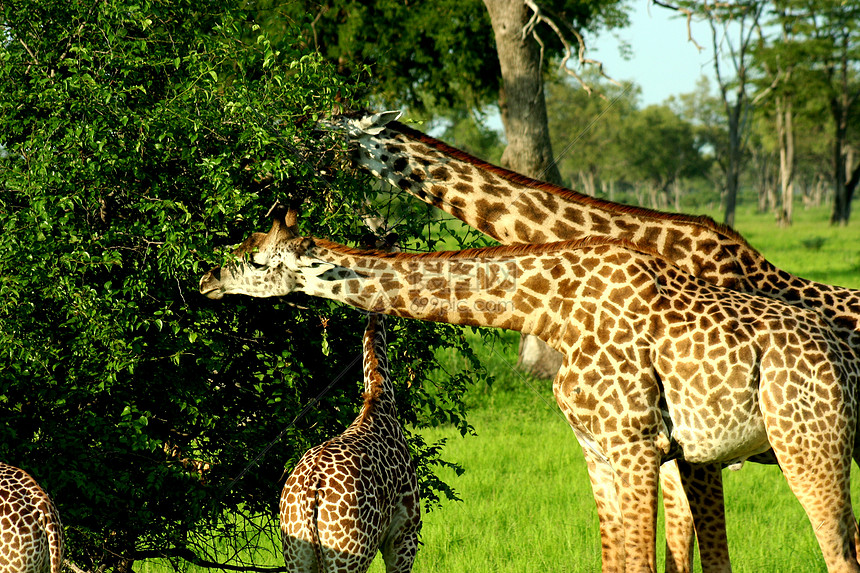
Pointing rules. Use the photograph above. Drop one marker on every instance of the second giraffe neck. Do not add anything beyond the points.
(505, 205)
(505, 287)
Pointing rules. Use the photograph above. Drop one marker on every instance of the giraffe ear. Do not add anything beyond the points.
(374, 124)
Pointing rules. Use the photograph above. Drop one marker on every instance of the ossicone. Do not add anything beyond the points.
(284, 220)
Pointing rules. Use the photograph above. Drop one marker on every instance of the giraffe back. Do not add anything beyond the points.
(357, 493)
(31, 534)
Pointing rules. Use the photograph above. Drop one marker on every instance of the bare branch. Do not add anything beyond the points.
(192, 558)
(74, 568)
(689, 17)
(539, 16)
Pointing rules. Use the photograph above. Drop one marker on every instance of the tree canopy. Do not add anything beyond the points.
(138, 137)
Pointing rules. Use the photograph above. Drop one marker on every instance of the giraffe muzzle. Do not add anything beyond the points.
(210, 285)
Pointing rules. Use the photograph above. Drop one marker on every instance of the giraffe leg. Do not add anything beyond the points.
(680, 533)
(815, 457)
(828, 505)
(637, 468)
(401, 544)
(703, 485)
(608, 513)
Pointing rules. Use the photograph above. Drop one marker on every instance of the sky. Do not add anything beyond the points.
(663, 62)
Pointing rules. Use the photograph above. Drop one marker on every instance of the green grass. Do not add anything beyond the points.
(526, 499)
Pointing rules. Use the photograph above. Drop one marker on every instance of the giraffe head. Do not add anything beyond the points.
(267, 264)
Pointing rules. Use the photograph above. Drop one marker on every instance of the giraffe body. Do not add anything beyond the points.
(515, 209)
(657, 363)
(31, 535)
(357, 493)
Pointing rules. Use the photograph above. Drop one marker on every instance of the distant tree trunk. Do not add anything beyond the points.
(766, 195)
(608, 188)
(676, 194)
(785, 134)
(523, 109)
(747, 22)
(841, 200)
(589, 187)
(733, 169)
(840, 106)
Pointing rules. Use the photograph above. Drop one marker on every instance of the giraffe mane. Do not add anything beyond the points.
(514, 250)
(371, 401)
(568, 194)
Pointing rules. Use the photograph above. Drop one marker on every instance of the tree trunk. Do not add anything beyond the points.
(785, 133)
(589, 187)
(733, 168)
(840, 106)
(841, 200)
(523, 109)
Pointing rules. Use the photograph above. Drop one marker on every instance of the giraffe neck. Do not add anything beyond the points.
(518, 288)
(378, 390)
(505, 205)
(513, 208)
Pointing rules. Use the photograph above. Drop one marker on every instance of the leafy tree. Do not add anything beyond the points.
(589, 134)
(826, 40)
(137, 137)
(662, 150)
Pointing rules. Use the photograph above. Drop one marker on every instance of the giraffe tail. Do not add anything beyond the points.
(313, 498)
(312, 502)
(54, 531)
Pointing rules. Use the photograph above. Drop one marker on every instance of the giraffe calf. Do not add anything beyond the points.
(357, 493)
(31, 535)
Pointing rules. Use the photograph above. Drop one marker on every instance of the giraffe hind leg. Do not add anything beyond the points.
(401, 544)
(815, 457)
(703, 484)
(680, 533)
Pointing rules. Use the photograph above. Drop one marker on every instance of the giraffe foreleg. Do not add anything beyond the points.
(703, 484)
(637, 467)
(608, 513)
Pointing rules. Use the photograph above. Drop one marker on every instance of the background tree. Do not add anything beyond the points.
(828, 33)
(662, 150)
(734, 28)
(588, 133)
(430, 56)
(136, 138)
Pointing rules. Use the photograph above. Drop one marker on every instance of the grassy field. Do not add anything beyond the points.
(526, 501)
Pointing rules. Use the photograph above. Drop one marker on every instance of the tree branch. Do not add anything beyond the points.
(689, 17)
(191, 557)
(539, 16)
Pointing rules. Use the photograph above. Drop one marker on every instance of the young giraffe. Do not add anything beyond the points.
(513, 208)
(31, 535)
(356, 494)
(657, 363)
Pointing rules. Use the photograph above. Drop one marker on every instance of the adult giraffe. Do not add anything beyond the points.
(31, 535)
(513, 208)
(357, 493)
(657, 363)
